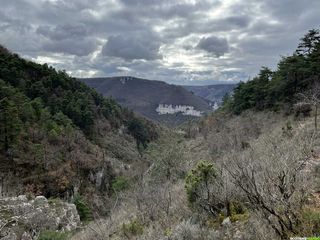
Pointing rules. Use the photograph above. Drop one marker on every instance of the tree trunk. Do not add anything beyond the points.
(229, 210)
(315, 118)
(6, 138)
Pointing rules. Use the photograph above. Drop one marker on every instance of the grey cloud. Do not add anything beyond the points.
(63, 32)
(238, 21)
(142, 2)
(71, 4)
(215, 45)
(152, 9)
(80, 47)
(198, 24)
(130, 47)
(252, 32)
(70, 38)
(289, 9)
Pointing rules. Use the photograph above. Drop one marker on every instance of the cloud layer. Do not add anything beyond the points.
(178, 41)
(217, 46)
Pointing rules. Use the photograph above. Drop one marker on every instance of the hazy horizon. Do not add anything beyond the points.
(194, 83)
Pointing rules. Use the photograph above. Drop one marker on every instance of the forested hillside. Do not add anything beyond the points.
(41, 88)
(282, 88)
(58, 137)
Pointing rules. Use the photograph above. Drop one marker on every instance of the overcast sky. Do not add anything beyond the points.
(178, 41)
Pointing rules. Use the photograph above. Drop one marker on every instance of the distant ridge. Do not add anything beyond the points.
(149, 98)
(213, 93)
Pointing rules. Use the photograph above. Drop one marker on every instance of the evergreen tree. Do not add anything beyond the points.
(309, 42)
(10, 124)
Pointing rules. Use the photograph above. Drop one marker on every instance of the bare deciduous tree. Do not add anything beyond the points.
(272, 177)
(312, 98)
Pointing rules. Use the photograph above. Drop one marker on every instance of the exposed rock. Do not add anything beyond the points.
(9, 236)
(195, 219)
(26, 236)
(21, 218)
(226, 222)
(40, 201)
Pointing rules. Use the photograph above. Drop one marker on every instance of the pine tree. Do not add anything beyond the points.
(10, 124)
(309, 42)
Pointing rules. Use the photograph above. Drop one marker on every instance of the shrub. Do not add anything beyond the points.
(203, 187)
(83, 210)
(203, 174)
(133, 228)
(310, 221)
(120, 183)
(188, 231)
(37, 151)
(240, 217)
(168, 232)
(237, 208)
(52, 235)
(143, 131)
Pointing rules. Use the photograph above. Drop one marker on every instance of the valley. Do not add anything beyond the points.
(112, 158)
(156, 100)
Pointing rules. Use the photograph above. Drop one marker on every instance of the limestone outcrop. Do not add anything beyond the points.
(24, 218)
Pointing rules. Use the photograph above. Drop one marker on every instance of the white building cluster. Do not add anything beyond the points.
(172, 109)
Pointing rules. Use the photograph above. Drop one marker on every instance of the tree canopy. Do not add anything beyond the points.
(274, 89)
(32, 93)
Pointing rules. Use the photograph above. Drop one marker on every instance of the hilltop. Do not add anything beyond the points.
(146, 96)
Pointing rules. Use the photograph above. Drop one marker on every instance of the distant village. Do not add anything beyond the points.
(172, 109)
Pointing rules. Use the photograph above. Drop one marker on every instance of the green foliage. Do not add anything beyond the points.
(10, 124)
(273, 90)
(120, 183)
(199, 178)
(238, 212)
(133, 228)
(52, 235)
(31, 93)
(141, 130)
(83, 209)
(310, 223)
(37, 150)
(62, 119)
(168, 232)
(237, 208)
(240, 217)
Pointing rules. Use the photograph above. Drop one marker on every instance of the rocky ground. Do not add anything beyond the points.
(25, 218)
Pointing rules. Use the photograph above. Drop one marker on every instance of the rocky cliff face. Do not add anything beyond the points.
(23, 218)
